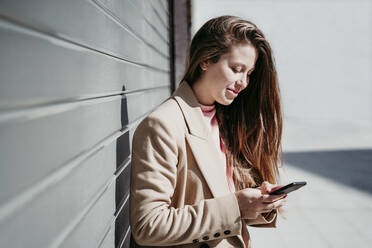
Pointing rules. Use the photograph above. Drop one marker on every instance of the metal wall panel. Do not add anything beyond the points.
(62, 203)
(85, 23)
(108, 240)
(125, 12)
(89, 231)
(74, 129)
(55, 70)
(76, 78)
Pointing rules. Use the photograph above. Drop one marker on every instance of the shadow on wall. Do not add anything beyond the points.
(349, 167)
(122, 181)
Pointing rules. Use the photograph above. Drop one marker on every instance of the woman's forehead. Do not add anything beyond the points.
(244, 54)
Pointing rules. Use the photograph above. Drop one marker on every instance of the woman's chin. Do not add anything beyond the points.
(225, 101)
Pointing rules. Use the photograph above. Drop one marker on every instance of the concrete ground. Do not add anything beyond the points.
(324, 213)
(335, 208)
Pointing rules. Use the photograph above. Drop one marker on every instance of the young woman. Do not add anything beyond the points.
(205, 160)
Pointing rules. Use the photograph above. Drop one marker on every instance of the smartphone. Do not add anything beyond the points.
(288, 188)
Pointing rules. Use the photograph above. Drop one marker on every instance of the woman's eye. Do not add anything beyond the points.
(236, 69)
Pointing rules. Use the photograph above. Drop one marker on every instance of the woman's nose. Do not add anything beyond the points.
(243, 82)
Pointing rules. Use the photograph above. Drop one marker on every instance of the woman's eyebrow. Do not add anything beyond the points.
(243, 65)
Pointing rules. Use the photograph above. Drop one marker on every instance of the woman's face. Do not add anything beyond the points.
(222, 81)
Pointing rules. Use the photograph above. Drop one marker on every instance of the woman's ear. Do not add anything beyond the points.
(204, 65)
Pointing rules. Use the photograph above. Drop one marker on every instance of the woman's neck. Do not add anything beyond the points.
(202, 93)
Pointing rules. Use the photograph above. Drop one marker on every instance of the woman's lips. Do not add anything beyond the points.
(234, 92)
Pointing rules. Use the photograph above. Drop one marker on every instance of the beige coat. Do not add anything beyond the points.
(179, 193)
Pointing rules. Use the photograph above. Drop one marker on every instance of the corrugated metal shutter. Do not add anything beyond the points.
(76, 78)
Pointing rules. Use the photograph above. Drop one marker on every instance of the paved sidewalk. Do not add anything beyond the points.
(325, 213)
(335, 208)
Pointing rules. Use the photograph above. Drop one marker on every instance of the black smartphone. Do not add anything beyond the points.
(288, 188)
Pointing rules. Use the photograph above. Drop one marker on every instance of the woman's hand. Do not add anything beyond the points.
(267, 187)
(254, 201)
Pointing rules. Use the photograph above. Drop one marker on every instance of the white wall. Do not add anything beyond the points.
(324, 59)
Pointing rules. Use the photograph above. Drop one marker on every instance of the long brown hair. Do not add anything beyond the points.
(251, 126)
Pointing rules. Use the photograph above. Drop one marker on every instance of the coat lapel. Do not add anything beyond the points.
(200, 141)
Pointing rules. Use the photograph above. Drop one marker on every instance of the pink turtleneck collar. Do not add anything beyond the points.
(207, 108)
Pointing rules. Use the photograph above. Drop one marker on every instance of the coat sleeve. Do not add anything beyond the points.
(153, 180)
(264, 220)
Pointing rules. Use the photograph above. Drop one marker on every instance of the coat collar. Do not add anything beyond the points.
(201, 143)
(190, 107)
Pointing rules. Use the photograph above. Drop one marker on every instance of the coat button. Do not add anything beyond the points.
(216, 235)
(204, 245)
(227, 232)
(205, 238)
(195, 241)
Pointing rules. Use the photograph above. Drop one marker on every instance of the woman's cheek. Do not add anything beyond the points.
(230, 76)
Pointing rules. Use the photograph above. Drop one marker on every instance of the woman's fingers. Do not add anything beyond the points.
(252, 202)
(272, 198)
(275, 188)
(267, 187)
(274, 205)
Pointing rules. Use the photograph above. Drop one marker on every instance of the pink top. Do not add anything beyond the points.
(209, 113)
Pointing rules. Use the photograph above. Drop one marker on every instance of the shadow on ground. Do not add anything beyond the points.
(349, 167)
